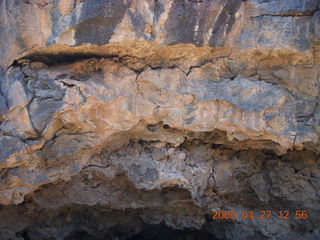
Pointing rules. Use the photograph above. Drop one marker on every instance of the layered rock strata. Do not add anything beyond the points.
(136, 119)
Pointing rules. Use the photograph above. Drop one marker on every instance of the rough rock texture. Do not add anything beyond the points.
(133, 119)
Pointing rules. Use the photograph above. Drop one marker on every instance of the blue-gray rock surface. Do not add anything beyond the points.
(135, 119)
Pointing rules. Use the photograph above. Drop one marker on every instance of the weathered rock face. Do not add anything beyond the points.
(134, 119)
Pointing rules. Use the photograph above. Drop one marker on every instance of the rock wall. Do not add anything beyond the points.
(135, 119)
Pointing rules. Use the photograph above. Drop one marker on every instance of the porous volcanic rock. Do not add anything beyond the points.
(136, 119)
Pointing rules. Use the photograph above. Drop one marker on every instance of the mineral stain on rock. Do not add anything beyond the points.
(98, 20)
(137, 119)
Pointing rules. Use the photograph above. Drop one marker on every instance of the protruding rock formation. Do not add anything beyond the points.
(134, 118)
